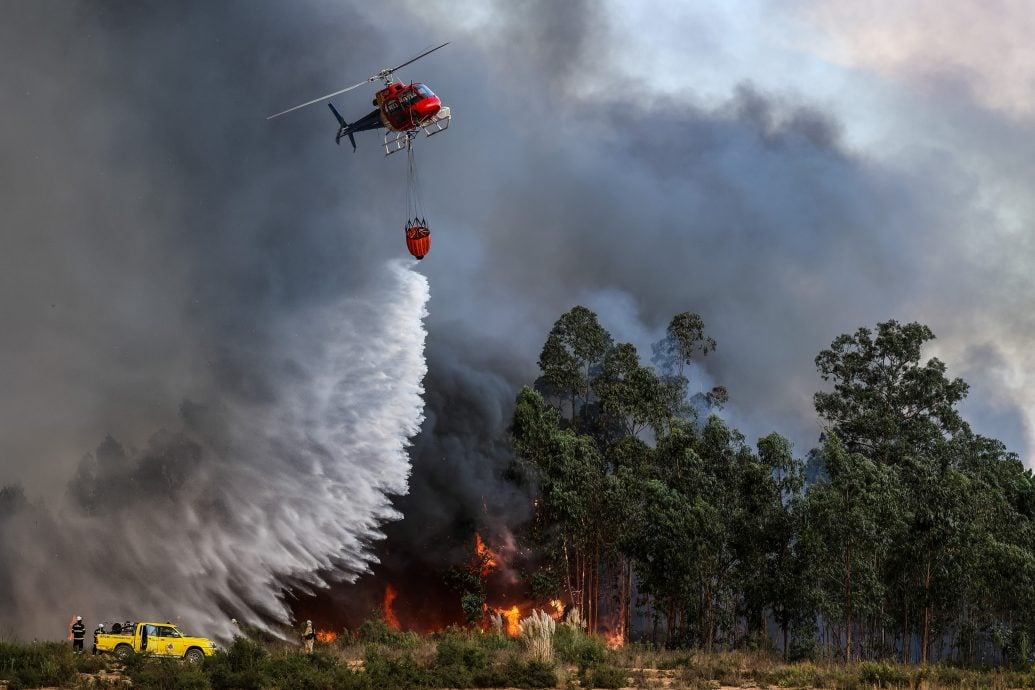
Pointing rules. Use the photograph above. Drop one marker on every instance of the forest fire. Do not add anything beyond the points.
(326, 636)
(390, 618)
(488, 558)
(614, 639)
(427, 601)
(513, 618)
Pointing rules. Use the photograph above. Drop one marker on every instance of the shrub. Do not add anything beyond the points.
(460, 648)
(882, 674)
(169, 674)
(678, 661)
(88, 663)
(238, 666)
(576, 647)
(607, 677)
(35, 665)
(795, 676)
(319, 671)
(949, 676)
(723, 667)
(388, 671)
(376, 631)
(530, 674)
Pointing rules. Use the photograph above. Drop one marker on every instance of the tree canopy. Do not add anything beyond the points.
(914, 537)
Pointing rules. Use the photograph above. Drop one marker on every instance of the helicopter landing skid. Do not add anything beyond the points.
(399, 141)
(439, 122)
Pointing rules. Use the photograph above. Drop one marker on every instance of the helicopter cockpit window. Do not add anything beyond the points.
(424, 91)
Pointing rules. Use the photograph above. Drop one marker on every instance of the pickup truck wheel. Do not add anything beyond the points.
(194, 656)
(123, 651)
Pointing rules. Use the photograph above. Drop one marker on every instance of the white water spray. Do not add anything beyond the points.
(294, 491)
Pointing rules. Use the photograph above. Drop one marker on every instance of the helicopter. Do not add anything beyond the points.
(402, 110)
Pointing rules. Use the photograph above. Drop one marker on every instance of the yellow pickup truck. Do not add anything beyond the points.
(156, 639)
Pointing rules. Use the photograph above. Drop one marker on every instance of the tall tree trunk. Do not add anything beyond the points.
(670, 621)
(848, 604)
(927, 610)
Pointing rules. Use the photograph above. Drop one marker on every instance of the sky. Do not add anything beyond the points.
(230, 295)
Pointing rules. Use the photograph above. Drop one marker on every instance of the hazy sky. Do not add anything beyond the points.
(789, 170)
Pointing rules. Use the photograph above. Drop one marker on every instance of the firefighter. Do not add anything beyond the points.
(99, 630)
(78, 633)
(309, 637)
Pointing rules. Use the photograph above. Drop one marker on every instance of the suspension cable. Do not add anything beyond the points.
(414, 204)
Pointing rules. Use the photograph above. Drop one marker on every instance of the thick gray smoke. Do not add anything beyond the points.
(253, 495)
(161, 242)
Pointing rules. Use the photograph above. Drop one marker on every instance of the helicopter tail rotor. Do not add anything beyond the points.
(343, 130)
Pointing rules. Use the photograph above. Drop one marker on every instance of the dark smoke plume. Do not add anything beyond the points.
(160, 242)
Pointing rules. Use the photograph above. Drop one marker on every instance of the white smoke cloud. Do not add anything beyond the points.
(290, 490)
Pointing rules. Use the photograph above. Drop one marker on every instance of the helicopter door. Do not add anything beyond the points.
(397, 117)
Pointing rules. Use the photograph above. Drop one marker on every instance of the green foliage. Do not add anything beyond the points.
(89, 663)
(883, 674)
(607, 677)
(473, 605)
(376, 631)
(396, 671)
(461, 657)
(317, 671)
(575, 346)
(529, 674)
(170, 674)
(794, 676)
(576, 647)
(35, 665)
(241, 665)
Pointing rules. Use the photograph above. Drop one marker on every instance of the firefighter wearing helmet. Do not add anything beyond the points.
(309, 637)
(78, 633)
(99, 630)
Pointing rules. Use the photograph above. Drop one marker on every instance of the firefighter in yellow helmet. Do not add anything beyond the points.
(309, 637)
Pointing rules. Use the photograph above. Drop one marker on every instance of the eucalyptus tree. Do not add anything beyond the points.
(571, 475)
(574, 349)
(885, 404)
(847, 530)
(684, 340)
(900, 412)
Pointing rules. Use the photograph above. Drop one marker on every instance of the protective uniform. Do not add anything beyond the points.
(78, 634)
(309, 637)
(99, 630)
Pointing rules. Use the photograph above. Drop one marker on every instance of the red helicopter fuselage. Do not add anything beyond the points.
(405, 106)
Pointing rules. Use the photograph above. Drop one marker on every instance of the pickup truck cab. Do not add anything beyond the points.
(156, 639)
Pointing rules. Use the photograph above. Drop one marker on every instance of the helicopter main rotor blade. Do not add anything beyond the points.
(386, 73)
(415, 59)
(321, 98)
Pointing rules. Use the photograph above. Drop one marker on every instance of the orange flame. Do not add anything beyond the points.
(390, 618)
(326, 636)
(558, 609)
(615, 639)
(71, 622)
(513, 617)
(488, 558)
